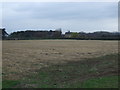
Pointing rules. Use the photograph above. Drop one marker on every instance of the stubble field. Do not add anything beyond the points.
(22, 57)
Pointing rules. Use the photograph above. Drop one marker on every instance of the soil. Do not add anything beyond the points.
(21, 57)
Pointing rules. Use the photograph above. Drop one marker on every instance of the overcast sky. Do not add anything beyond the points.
(73, 16)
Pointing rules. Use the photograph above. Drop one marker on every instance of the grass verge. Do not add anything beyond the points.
(9, 83)
(101, 82)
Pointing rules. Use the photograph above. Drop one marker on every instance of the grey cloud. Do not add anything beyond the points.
(54, 15)
(76, 11)
(67, 10)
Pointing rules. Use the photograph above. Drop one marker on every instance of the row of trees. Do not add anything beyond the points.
(30, 34)
(57, 34)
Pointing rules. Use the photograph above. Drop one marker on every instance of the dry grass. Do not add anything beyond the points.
(22, 57)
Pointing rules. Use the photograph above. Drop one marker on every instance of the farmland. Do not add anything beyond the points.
(25, 58)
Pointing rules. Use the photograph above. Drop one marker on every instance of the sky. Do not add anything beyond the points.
(73, 16)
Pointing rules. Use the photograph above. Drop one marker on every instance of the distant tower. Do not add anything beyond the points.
(58, 29)
(58, 32)
(68, 31)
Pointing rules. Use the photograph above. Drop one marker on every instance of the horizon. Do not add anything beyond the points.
(60, 30)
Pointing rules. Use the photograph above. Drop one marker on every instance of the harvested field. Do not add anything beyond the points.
(22, 57)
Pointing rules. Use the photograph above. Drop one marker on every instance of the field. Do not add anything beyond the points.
(25, 60)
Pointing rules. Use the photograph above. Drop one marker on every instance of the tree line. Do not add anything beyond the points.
(57, 34)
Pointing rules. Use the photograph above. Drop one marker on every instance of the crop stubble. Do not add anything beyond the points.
(22, 57)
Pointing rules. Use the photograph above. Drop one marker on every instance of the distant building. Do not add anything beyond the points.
(68, 34)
